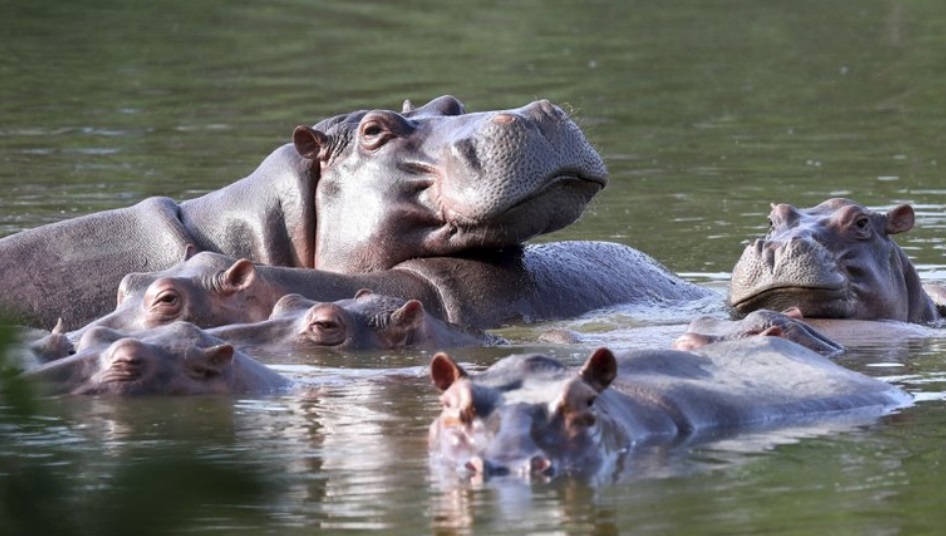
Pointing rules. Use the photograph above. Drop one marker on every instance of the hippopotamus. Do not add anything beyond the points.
(532, 283)
(835, 260)
(369, 321)
(176, 359)
(788, 324)
(364, 191)
(530, 415)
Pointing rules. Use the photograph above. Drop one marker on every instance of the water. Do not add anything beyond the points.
(706, 112)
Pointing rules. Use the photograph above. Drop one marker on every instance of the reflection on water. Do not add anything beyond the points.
(706, 112)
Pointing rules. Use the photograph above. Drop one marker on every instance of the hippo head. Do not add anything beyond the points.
(835, 260)
(525, 416)
(179, 360)
(367, 321)
(208, 289)
(436, 181)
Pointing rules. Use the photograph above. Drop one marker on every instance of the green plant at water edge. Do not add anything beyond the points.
(148, 492)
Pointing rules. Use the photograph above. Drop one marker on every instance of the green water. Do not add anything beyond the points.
(705, 112)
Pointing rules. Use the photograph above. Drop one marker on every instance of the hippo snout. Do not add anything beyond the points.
(535, 465)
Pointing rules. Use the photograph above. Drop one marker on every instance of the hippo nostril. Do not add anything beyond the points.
(503, 119)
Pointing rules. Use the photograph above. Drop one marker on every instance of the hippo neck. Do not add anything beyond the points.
(280, 193)
(922, 310)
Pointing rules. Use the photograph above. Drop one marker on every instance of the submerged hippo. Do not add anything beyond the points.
(533, 283)
(369, 321)
(530, 415)
(835, 260)
(789, 325)
(359, 192)
(178, 359)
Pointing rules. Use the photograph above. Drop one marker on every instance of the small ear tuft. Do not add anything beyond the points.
(407, 106)
(445, 371)
(310, 143)
(900, 219)
(212, 360)
(409, 316)
(239, 276)
(600, 369)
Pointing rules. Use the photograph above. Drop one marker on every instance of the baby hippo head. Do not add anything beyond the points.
(526, 416)
(178, 360)
(367, 321)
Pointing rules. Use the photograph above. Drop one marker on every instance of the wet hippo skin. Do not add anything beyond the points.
(834, 260)
(530, 415)
(424, 199)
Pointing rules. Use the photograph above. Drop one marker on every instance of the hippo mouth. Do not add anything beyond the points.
(814, 302)
(557, 204)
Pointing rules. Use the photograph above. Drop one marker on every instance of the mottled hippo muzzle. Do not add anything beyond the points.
(435, 180)
(527, 416)
(835, 260)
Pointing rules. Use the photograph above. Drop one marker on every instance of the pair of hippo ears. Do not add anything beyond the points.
(598, 371)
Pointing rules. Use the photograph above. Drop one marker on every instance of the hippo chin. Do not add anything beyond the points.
(360, 192)
(528, 415)
(178, 359)
(835, 260)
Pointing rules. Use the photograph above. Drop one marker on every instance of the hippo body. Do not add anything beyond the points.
(357, 193)
(532, 283)
(368, 321)
(788, 325)
(835, 260)
(530, 415)
(177, 359)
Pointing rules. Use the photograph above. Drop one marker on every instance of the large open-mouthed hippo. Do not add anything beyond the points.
(530, 415)
(428, 199)
(177, 359)
(835, 260)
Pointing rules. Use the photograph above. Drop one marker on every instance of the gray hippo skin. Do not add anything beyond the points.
(369, 321)
(530, 415)
(789, 325)
(532, 283)
(835, 260)
(360, 192)
(177, 359)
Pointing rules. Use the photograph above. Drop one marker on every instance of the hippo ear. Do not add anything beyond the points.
(900, 219)
(600, 369)
(407, 106)
(211, 361)
(239, 276)
(409, 316)
(310, 143)
(444, 371)
(189, 251)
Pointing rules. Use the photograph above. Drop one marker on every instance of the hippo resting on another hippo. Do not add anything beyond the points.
(368, 321)
(178, 359)
(530, 415)
(432, 197)
(835, 260)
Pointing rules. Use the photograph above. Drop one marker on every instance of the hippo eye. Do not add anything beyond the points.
(374, 134)
(167, 303)
(326, 332)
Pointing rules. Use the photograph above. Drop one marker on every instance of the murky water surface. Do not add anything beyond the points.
(706, 112)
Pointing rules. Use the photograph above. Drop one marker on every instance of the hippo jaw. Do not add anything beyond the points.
(436, 181)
